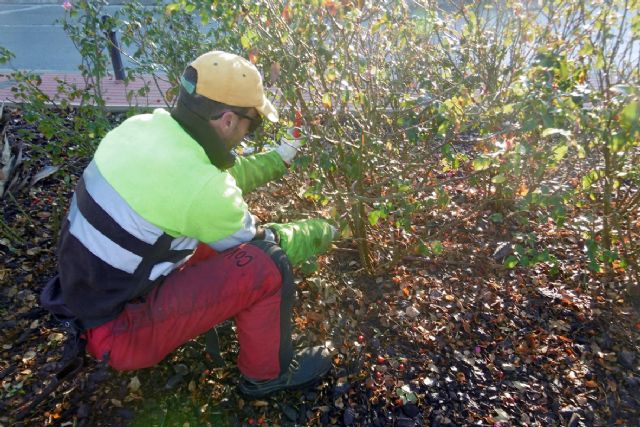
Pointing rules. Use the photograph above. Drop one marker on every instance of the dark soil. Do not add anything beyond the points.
(454, 339)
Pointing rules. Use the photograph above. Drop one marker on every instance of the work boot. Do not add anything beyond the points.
(306, 367)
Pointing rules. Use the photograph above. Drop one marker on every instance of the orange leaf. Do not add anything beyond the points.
(591, 384)
(253, 56)
(564, 339)
(523, 190)
(286, 13)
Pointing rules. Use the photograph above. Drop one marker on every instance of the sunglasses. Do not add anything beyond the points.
(256, 121)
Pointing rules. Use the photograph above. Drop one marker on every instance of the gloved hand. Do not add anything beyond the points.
(290, 143)
(304, 239)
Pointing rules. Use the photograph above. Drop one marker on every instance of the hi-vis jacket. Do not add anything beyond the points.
(148, 197)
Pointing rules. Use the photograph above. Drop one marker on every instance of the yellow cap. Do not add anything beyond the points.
(232, 80)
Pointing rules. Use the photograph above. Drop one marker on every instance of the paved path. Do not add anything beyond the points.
(114, 91)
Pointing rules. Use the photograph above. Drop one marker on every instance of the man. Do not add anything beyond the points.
(159, 245)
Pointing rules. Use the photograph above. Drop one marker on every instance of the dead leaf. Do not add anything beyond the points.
(44, 173)
(134, 385)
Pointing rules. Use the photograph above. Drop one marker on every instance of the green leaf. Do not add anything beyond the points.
(376, 26)
(586, 49)
(507, 109)
(436, 247)
(559, 151)
(496, 217)
(630, 116)
(326, 100)
(442, 129)
(635, 25)
(589, 179)
(599, 61)
(618, 143)
(406, 395)
(172, 7)
(422, 248)
(499, 179)
(511, 261)
(245, 42)
(481, 163)
(374, 216)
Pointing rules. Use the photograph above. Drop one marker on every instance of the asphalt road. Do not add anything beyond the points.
(29, 30)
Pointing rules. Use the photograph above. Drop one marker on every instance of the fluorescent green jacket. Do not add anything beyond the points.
(166, 177)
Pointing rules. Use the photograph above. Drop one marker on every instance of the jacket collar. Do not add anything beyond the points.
(202, 132)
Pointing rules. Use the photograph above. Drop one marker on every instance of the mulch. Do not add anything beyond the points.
(447, 340)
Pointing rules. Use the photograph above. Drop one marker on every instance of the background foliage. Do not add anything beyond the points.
(535, 106)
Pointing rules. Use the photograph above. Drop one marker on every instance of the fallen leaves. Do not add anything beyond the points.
(450, 340)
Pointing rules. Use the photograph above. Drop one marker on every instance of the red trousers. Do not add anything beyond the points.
(243, 282)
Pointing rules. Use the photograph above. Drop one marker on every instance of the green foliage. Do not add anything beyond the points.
(5, 55)
(527, 254)
(71, 131)
(162, 41)
(535, 105)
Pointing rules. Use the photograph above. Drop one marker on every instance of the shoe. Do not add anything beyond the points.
(308, 366)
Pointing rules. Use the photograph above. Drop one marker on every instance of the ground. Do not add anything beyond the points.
(448, 340)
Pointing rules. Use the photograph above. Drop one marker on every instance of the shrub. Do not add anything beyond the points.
(534, 106)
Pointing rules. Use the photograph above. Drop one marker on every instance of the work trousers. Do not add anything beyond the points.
(251, 283)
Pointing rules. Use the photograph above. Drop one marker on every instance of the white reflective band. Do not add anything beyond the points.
(245, 234)
(183, 243)
(99, 244)
(117, 208)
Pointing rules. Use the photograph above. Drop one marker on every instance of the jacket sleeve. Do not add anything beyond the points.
(218, 215)
(253, 171)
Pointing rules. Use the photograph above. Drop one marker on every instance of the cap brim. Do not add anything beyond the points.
(268, 110)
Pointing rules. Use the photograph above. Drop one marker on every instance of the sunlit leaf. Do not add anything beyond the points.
(499, 179)
(635, 25)
(630, 116)
(554, 131)
(589, 179)
(326, 101)
(245, 42)
(507, 109)
(559, 151)
(171, 7)
(374, 216)
(511, 261)
(406, 395)
(481, 163)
